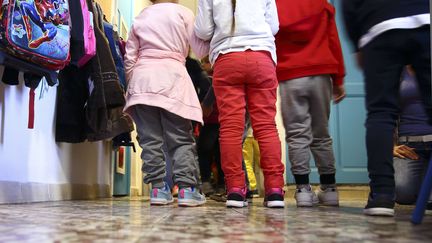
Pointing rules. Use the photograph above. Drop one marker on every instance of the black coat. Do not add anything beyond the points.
(361, 15)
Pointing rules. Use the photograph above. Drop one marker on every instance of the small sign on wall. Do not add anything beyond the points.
(121, 160)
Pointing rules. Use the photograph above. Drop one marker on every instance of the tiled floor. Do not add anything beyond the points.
(133, 220)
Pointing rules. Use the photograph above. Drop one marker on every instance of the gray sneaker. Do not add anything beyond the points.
(190, 197)
(161, 196)
(305, 197)
(328, 197)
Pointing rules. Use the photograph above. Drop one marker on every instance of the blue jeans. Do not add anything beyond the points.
(409, 173)
(383, 61)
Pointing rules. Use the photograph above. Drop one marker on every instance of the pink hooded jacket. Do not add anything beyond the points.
(155, 60)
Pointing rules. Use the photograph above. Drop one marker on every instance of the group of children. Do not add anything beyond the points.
(254, 47)
(239, 38)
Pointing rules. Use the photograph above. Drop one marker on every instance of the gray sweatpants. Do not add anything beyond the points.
(157, 127)
(305, 104)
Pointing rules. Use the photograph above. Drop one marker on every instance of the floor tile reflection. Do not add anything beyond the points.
(133, 220)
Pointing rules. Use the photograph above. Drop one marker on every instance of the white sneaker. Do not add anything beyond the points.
(328, 197)
(305, 197)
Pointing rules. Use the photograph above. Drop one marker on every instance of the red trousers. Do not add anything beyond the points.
(240, 80)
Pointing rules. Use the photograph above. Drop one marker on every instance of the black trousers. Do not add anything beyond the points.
(383, 61)
(209, 151)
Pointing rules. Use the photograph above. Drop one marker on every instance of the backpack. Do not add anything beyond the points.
(89, 35)
(36, 31)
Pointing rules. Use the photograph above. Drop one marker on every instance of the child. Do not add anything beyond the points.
(162, 100)
(310, 69)
(388, 35)
(244, 56)
(208, 143)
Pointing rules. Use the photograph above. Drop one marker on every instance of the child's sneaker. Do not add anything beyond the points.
(207, 188)
(161, 196)
(328, 197)
(219, 197)
(252, 194)
(380, 205)
(305, 197)
(190, 197)
(274, 198)
(236, 198)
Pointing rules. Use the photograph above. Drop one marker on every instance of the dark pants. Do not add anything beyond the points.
(209, 151)
(383, 61)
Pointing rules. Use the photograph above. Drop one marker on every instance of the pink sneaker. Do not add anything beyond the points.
(274, 198)
(236, 198)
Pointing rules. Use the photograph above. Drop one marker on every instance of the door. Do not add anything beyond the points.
(347, 120)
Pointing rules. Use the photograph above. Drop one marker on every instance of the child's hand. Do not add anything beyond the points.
(338, 93)
(405, 152)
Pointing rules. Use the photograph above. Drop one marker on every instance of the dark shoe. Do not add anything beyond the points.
(274, 198)
(380, 205)
(236, 198)
(207, 188)
(429, 206)
(219, 197)
(252, 194)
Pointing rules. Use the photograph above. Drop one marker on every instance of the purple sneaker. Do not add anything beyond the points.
(236, 198)
(274, 198)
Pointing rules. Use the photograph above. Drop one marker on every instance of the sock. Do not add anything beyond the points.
(304, 186)
(328, 179)
(301, 179)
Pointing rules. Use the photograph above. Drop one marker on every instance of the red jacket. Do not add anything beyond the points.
(308, 43)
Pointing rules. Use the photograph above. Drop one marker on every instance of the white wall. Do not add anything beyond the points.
(32, 158)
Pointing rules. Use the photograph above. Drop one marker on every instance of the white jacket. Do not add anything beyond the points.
(256, 23)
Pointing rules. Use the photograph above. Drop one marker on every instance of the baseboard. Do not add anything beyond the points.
(17, 192)
(135, 192)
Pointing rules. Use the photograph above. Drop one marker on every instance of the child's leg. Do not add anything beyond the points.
(180, 144)
(297, 122)
(261, 100)
(244, 136)
(181, 150)
(204, 149)
(207, 140)
(149, 129)
(228, 84)
(248, 156)
(217, 160)
(257, 166)
(322, 144)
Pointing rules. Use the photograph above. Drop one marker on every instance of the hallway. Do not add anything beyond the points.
(133, 220)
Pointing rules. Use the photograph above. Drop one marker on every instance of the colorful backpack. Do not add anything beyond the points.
(89, 35)
(37, 31)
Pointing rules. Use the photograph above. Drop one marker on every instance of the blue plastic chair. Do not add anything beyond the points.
(425, 191)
